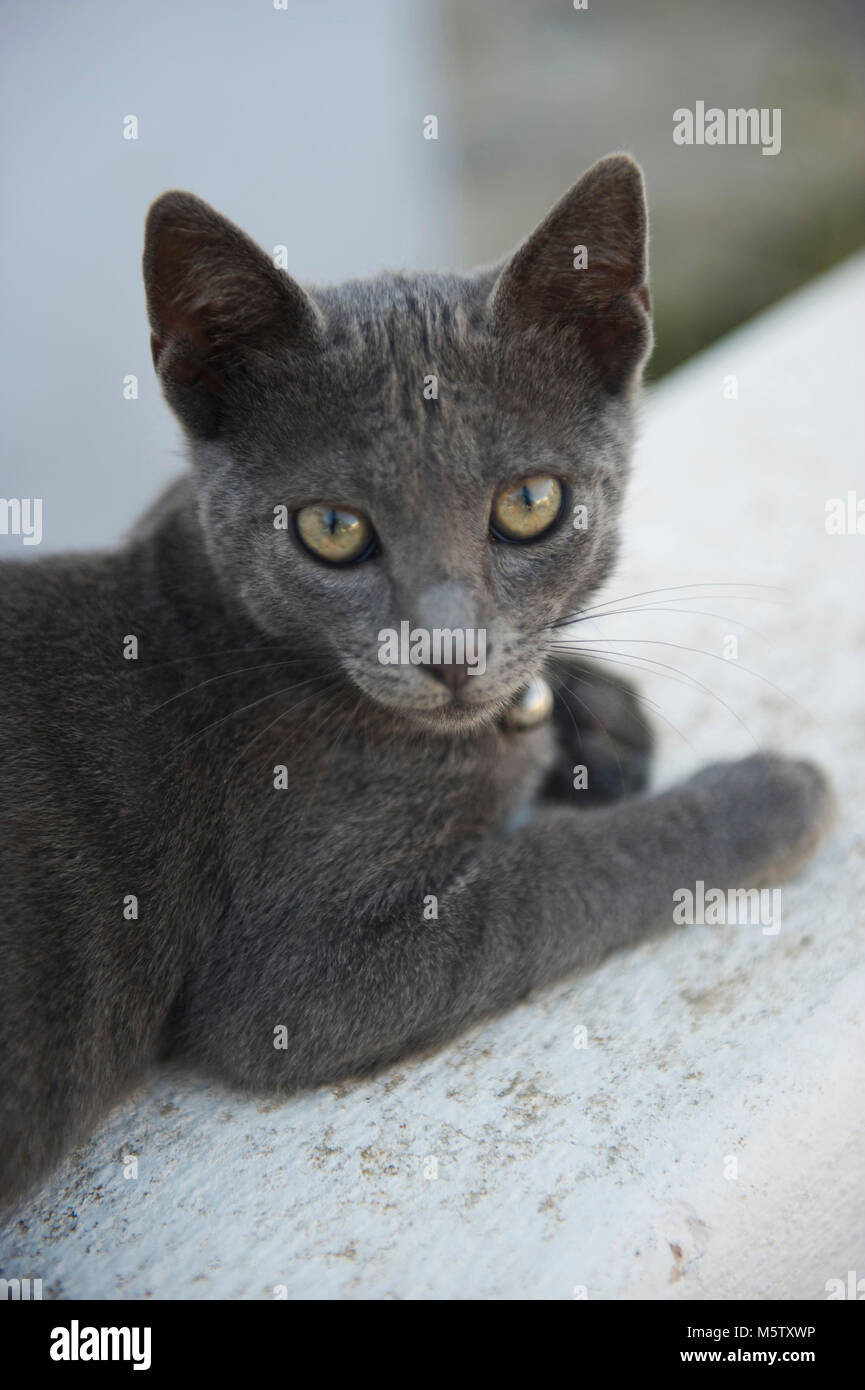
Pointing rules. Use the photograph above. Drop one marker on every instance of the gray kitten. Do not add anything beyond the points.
(230, 832)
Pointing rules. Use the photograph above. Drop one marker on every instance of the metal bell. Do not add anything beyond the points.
(533, 706)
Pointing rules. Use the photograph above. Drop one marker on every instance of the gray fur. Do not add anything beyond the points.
(304, 907)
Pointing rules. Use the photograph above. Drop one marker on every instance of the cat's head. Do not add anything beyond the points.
(413, 453)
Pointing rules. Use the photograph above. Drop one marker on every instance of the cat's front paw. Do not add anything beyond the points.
(603, 738)
(775, 810)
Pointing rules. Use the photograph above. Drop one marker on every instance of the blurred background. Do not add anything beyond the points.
(303, 120)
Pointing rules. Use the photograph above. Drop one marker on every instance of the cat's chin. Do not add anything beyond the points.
(449, 717)
(456, 718)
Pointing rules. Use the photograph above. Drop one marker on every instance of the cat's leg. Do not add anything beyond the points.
(52, 1098)
(604, 741)
(275, 1008)
(81, 1008)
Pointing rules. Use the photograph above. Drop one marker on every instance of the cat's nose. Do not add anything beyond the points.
(453, 674)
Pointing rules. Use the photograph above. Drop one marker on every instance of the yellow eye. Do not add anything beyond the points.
(525, 510)
(334, 534)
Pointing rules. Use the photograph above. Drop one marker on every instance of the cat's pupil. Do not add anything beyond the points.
(528, 509)
(334, 534)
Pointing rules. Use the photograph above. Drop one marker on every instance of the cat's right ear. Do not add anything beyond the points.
(214, 300)
(579, 283)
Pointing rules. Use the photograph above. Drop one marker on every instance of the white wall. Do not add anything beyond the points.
(303, 125)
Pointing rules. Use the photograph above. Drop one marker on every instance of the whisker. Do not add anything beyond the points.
(674, 588)
(685, 677)
(252, 704)
(245, 749)
(560, 685)
(644, 699)
(224, 675)
(204, 656)
(328, 758)
(686, 612)
(681, 679)
(700, 651)
(603, 732)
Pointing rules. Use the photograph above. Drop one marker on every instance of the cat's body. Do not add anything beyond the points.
(419, 862)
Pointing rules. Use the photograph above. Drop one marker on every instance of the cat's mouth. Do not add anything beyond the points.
(529, 707)
(457, 711)
(458, 714)
(450, 714)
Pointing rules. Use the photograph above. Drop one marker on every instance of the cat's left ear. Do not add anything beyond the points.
(214, 300)
(580, 278)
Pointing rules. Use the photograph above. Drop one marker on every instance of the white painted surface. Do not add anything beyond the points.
(601, 1167)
